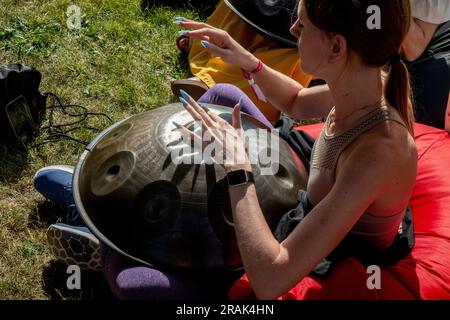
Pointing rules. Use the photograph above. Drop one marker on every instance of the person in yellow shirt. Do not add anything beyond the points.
(208, 70)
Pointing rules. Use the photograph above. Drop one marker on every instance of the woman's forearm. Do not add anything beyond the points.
(280, 90)
(258, 247)
(290, 97)
(417, 39)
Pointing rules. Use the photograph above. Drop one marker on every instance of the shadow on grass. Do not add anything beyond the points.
(45, 214)
(93, 284)
(13, 160)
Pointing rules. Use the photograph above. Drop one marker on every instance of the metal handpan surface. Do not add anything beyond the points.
(138, 202)
(272, 18)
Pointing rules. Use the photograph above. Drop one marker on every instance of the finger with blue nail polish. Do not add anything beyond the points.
(204, 107)
(195, 115)
(205, 113)
(201, 111)
(204, 43)
(184, 94)
(236, 114)
(179, 20)
(188, 98)
(241, 101)
(183, 101)
(183, 32)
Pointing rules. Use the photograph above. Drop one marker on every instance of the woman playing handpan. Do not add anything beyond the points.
(364, 162)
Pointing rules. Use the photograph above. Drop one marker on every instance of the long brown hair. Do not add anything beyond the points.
(376, 47)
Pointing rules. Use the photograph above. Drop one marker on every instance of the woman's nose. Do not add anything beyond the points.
(294, 30)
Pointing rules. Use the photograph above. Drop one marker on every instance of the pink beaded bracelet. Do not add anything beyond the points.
(255, 88)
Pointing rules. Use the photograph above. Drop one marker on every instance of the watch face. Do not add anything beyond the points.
(236, 177)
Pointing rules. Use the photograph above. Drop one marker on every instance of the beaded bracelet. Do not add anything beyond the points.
(258, 68)
(255, 88)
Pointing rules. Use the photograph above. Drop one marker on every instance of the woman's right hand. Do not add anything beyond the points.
(220, 43)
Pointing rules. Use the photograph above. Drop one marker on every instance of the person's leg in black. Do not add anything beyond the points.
(430, 81)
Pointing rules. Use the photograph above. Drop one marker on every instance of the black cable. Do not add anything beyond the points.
(59, 132)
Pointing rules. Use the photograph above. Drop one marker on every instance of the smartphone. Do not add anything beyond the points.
(20, 119)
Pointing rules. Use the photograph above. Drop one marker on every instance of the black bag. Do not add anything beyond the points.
(301, 142)
(21, 103)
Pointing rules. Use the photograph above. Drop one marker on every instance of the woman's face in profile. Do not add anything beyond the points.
(313, 44)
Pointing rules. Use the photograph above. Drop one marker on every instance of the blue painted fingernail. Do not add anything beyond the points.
(183, 101)
(183, 32)
(205, 43)
(179, 20)
(184, 94)
(241, 100)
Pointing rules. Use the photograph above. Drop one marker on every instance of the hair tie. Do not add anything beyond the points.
(395, 59)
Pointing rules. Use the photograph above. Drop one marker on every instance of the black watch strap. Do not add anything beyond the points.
(239, 177)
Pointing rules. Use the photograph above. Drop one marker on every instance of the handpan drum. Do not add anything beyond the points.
(145, 206)
(272, 18)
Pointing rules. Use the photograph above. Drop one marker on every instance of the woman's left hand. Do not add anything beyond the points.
(228, 138)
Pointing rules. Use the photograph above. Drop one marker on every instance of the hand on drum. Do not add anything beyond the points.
(220, 43)
(228, 138)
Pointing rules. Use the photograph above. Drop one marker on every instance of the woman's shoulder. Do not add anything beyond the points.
(385, 159)
(384, 164)
(391, 150)
(391, 135)
(388, 143)
(390, 153)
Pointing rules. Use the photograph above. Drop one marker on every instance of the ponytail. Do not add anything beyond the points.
(398, 92)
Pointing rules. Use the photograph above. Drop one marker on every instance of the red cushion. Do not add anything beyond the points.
(425, 273)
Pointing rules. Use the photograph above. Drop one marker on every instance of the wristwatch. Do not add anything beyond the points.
(239, 177)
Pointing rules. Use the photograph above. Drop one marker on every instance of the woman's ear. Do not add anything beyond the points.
(338, 48)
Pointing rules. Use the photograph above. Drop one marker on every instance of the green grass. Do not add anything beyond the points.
(118, 63)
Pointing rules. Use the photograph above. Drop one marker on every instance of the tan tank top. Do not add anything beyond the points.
(378, 232)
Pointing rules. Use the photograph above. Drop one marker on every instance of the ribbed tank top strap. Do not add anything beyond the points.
(329, 147)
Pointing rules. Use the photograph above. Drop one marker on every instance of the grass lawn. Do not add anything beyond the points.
(118, 63)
